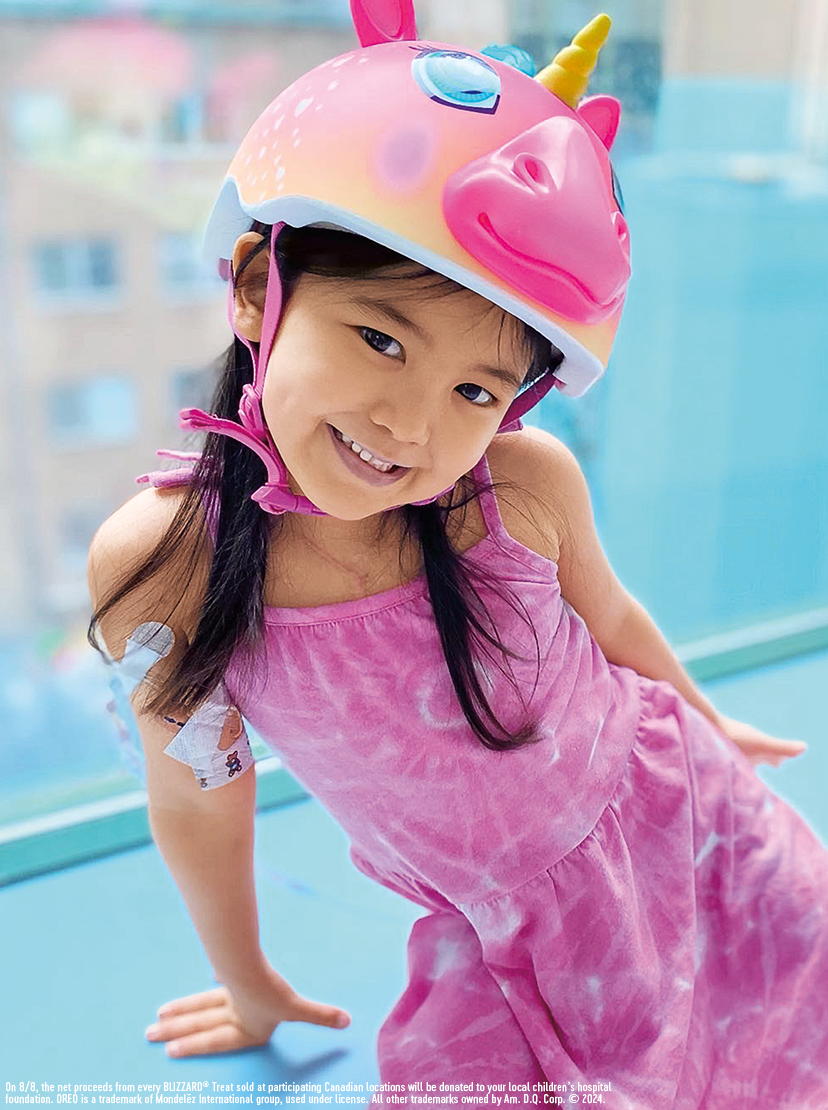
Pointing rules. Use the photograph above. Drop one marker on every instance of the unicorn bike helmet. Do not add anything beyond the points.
(458, 160)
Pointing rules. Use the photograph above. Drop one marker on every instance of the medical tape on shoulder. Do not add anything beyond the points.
(147, 644)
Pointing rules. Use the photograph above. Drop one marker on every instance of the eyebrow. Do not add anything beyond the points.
(392, 313)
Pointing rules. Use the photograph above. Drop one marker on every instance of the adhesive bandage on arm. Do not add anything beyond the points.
(213, 740)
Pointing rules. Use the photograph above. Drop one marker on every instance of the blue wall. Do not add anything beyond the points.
(709, 453)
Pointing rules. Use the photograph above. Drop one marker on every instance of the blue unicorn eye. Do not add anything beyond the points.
(457, 80)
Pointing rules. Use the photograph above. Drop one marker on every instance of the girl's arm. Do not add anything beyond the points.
(620, 625)
(206, 839)
(637, 643)
(205, 836)
(640, 645)
(208, 849)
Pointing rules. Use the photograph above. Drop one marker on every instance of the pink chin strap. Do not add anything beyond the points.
(275, 496)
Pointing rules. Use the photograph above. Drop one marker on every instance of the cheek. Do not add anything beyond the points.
(287, 389)
(271, 401)
(458, 453)
(303, 375)
(404, 156)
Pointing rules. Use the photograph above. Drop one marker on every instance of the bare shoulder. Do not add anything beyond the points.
(132, 532)
(123, 543)
(527, 462)
(558, 490)
(172, 595)
(142, 518)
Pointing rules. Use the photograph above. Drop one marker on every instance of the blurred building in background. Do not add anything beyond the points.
(117, 130)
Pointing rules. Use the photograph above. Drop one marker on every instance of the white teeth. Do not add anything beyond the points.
(364, 453)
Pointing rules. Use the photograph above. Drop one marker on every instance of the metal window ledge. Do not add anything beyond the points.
(95, 829)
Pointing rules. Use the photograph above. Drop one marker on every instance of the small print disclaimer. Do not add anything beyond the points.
(415, 1093)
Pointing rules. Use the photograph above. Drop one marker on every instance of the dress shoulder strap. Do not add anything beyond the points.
(488, 501)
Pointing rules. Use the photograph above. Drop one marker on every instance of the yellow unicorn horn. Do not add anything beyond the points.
(567, 75)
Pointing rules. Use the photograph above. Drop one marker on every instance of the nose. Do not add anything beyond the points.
(406, 418)
(533, 172)
(539, 213)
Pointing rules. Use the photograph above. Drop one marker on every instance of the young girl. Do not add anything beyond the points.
(420, 242)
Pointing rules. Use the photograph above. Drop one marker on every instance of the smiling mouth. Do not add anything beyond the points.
(387, 467)
(538, 263)
(363, 469)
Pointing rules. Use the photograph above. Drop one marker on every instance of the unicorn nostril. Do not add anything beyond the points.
(530, 170)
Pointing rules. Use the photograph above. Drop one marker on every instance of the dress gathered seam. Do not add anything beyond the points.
(547, 868)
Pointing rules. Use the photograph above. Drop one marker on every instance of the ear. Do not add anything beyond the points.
(383, 21)
(602, 113)
(250, 291)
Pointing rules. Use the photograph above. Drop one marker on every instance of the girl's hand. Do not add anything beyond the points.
(758, 746)
(224, 1020)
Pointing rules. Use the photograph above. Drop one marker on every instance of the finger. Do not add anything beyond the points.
(317, 1013)
(181, 1025)
(201, 1001)
(777, 756)
(786, 747)
(778, 749)
(224, 1038)
(772, 760)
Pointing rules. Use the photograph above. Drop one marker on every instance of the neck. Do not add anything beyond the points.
(330, 533)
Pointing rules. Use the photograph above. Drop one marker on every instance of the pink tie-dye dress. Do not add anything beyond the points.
(624, 905)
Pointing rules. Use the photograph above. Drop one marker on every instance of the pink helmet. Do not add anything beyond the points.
(459, 160)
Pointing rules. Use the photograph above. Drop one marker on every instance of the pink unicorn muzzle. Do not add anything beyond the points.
(537, 213)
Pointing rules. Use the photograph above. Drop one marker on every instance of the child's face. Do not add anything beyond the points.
(421, 395)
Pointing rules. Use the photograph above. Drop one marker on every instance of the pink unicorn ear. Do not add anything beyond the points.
(383, 21)
(602, 113)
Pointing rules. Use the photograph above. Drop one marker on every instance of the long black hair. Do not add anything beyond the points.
(230, 620)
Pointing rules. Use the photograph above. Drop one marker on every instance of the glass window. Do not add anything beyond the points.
(190, 389)
(39, 120)
(51, 267)
(101, 260)
(181, 120)
(182, 262)
(74, 266)
(92, 411)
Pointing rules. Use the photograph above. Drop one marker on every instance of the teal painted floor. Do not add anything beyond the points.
(92, 951)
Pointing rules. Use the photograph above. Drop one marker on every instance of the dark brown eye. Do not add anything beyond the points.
(378, 340)
(492, 400)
